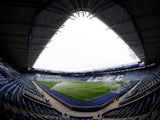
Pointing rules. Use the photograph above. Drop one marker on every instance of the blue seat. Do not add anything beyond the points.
(9, 91)
(14, 94)
(5, 87)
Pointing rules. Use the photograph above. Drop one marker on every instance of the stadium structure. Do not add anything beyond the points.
(28, 25)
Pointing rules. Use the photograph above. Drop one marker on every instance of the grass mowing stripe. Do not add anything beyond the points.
(72, 96)
(48, 84)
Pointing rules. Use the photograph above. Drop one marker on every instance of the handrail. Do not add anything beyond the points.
(36, 100)
(141, 95)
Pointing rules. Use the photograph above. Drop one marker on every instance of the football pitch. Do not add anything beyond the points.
(83, 91)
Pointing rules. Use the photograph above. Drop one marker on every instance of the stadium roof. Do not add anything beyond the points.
(26, 26)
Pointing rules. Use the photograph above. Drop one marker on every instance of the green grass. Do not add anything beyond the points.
(83, 91)
(48, 84)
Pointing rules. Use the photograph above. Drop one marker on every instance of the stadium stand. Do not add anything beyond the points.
(26, 26)
(21, 100)
(144, 99)
(137, 74)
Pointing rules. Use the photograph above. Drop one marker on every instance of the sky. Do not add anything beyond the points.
(84, 44)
